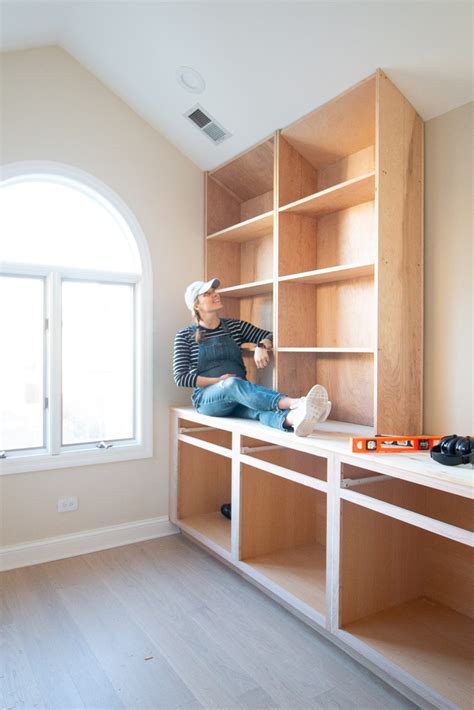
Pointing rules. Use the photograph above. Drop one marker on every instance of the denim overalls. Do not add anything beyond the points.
(236, 396)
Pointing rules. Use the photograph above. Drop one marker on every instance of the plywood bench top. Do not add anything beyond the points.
(333, 437)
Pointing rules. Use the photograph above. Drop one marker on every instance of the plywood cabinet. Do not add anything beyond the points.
(317, 234)
(407, 593)
(374, 549)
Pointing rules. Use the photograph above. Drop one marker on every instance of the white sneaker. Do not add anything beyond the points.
(325, 415)
(310, 410)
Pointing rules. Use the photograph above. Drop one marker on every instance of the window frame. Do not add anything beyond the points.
(55, 455)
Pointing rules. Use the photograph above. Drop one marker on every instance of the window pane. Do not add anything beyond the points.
(21, 363)
(98, 362)
(47, 222)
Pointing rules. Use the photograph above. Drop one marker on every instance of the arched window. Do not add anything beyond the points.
(75, 322)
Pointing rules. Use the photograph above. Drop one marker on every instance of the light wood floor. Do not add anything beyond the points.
(161, 624)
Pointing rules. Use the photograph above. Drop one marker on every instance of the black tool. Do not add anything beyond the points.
(454, 450)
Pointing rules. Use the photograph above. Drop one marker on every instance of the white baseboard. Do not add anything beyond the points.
(57, 548)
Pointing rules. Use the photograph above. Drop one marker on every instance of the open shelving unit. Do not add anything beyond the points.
(316, 234)
(239, 242)
(327, 245)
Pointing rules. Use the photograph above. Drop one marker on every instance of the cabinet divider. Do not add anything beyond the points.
(333, 535)
(235, 502)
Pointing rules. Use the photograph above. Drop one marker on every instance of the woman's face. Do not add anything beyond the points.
(209, 302)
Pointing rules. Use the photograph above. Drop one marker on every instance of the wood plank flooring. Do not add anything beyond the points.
(162, 625)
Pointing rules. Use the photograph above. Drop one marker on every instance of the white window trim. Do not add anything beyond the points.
(142, 446)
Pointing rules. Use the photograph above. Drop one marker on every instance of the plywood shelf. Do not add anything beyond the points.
(256, 288)
(246, 231)
(369, 351)
(340, 197)
(431, 641)
(212, 526)
(301, 571)
(329, 275)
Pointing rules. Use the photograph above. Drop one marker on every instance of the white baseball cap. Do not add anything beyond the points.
(196, 289)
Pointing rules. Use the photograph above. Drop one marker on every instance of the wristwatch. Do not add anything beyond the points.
(261, 344)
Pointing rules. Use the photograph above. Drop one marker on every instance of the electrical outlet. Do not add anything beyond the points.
(67, 505)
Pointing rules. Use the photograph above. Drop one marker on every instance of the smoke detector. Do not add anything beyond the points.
(190, 79)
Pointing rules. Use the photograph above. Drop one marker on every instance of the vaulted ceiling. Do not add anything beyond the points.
(264, 63)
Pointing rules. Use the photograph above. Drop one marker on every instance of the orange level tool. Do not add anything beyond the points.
(392, 444)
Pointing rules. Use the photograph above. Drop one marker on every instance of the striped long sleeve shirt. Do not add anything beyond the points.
(185, 356)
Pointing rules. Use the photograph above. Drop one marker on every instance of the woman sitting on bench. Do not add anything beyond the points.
(207, 357)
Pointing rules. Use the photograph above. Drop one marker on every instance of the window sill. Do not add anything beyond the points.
(72, 459)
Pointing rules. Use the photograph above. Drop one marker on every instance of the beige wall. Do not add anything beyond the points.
(55, 110)
(449, 293)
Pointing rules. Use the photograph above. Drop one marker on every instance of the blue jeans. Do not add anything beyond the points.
(240, 398)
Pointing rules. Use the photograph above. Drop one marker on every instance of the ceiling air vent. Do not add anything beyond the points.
(206, 124)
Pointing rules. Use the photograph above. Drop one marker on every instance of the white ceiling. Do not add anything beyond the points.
(265, 63)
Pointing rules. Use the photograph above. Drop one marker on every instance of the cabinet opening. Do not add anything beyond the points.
(242, 189)
(331, 145)
(307, 464)
(328, 315)
(241, 262)
(439, 505)
(283, 534)
(348, 377)
(342, 238)
(205, 433)
(204, 486)
(408, 593)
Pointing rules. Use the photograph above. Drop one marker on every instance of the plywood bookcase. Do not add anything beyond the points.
(317, 235)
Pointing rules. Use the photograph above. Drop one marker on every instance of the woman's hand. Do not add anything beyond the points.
(261, 357)
(224, 377)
